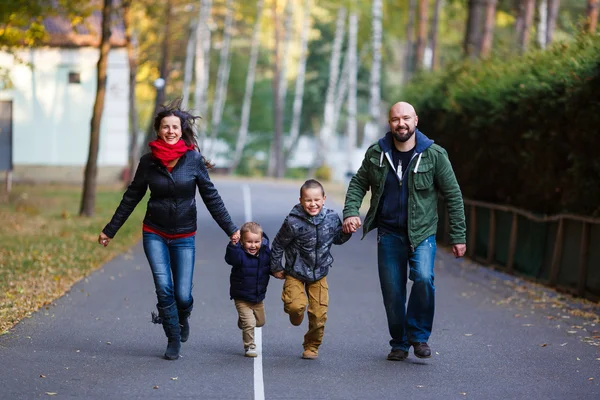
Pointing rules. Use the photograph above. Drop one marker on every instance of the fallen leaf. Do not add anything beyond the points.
(77, 351)
(564, 344)
(463, 393)
(42, 376)
(108, 343)
(527, 325)
(155, 387)
(420, 386)
(571, 331)
(51, 393)
(590, 379)
(543, 344)
(578, 359)
(468, 334)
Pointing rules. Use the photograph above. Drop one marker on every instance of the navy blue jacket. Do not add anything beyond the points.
(249, 274)
(172, 205)
(393, 206)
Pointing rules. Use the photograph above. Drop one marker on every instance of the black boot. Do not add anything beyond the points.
(169, 318)
(184, 323)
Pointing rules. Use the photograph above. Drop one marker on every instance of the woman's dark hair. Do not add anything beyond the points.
(188, 123)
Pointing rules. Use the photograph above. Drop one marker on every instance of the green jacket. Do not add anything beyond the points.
(430, 173)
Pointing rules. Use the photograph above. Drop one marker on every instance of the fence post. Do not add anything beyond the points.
(491, 237)
(473, 229)
(558, 244)
(512, 244)
(583, 258)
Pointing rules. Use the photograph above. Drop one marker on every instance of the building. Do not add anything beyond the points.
(47, 96)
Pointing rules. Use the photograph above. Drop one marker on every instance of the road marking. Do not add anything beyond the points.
(259, 387)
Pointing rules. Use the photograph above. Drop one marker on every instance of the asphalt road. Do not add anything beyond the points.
(97, 341)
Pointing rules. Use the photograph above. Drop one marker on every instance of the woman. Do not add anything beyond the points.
(172, 171)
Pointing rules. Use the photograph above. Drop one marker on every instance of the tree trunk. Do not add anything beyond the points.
(372, 125)
(434, 34)
(591, 20)
(542, 23)
(245, 119)
(473, 34)
(189, 64)
(334, 71)
(202, 66)
(421, 34)
(528, 8)
(553, 7)
(273, 169)
(351, 79)
(277, 109)
(163, 72)
(88, 198)
(222, 78)
(133, 121)
(409, 66)
(299, 89)
(488, 28)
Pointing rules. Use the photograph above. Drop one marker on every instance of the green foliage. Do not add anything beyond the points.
(323, 173)
(521, 131)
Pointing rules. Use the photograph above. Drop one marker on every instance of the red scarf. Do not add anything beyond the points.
(168, 152)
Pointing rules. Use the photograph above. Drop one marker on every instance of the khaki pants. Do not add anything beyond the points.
(251, 315)
(294, 298)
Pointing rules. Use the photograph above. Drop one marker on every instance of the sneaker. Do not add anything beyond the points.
(296, 319)
(251, 353)
(310, 354)
(397, 355)
(421, 350)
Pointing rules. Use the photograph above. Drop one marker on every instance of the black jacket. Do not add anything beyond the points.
(172, 205)
(249, 274)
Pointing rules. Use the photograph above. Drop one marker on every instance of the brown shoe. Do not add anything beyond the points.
(421, 350)
(296, 319)
(397, 355)
(310, 354)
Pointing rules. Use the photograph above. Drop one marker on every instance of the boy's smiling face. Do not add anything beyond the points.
(312, 200)
(251, 242)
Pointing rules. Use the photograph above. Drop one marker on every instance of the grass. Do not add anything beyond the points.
(46, 247)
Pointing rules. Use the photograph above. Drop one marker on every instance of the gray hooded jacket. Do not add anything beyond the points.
(306, 242)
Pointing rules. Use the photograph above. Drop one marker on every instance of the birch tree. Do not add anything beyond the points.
(352, 73)
(222, 76)
(299, 88)
(334, 68)
(591, 20)
(409, 65)
(131, 45)
(88, 197)
(473, 33)
(553, 6)
(527, 10)
(247, 102)
(542, 36)
(202, 64)
(273, 169)
(189, 63)
(421, 34)
(435, 22)
(372, 125)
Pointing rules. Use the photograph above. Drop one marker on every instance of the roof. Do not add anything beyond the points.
(62, 34)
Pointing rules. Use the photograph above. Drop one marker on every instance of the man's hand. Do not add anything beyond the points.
(351, 224)
(459, 250)
(279, 275)
(235, 237)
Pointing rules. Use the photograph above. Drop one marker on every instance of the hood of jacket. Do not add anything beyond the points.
(423, 143)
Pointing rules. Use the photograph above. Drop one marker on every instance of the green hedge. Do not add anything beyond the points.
(521, 131)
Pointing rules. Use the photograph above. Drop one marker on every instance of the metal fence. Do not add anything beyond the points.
(561, 251)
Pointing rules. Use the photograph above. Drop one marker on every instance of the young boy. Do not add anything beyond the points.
(306, 237)
(249, 279)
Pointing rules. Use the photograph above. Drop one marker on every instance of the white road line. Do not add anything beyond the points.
(259, 387)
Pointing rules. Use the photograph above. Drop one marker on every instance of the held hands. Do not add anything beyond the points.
(279, 275)
(235, 237)
(103, 239)
(459, 250)
(351, 224)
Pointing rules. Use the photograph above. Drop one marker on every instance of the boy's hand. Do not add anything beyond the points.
(279, 275)
(235, 237)
(351, 224)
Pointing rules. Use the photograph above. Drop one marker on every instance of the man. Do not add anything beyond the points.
(405, 171)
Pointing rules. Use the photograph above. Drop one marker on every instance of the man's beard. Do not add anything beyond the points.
(403, 137)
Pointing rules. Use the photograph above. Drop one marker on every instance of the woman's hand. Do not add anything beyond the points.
(103, 239)
(235, 237)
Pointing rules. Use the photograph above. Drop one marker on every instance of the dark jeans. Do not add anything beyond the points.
(172, 264)
(412, 323)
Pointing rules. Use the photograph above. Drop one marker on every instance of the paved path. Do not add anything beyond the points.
(97, 342)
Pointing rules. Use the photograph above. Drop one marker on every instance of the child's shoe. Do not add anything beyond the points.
(250, 352)
(310, 354)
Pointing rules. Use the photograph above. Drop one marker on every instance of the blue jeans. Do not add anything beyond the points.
(172, 264)
(413, 323)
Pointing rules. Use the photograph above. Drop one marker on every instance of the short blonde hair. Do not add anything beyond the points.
(252, 227)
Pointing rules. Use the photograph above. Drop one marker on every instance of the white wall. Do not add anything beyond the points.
(51, 117)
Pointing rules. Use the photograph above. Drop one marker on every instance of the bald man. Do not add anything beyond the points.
(405, 172)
